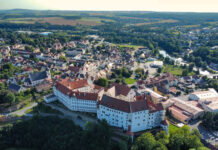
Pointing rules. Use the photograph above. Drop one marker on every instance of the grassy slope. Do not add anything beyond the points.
(175, 70)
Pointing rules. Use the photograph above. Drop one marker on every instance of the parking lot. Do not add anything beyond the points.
(210, 137)
(145, 66)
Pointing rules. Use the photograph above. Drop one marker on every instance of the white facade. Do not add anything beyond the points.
(75, 104)
(203, 94)
(210, 104)
(34, 83)
(114, 117)
(50, 98)
(133, 121)
(131, 113)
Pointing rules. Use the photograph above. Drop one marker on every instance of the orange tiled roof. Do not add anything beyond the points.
(67, 86)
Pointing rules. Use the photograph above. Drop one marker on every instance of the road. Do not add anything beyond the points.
(73, 115)
(21, 112)
(99, 43)
(67, 114)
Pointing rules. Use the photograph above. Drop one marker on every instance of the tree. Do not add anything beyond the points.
(159, 146)
(178, 93)
(126, 73)
(42, 49)
(145, 142)
(167, 60)
(96, 136)
(159, 70)
(162, 137)
(2, 86)
(123, 145)
(29, 48)
(185, 72)
(102, 82)
(54, 133)
(139, 72)
(190, 67)
(212, 119)
(63, 58)
(176, 141)
(10, 98)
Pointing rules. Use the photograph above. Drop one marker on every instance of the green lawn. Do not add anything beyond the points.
(175, 70)
(129, 46)
(130, 81)
(172, 128)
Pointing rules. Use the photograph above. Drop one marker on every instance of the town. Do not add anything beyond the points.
(134, 88)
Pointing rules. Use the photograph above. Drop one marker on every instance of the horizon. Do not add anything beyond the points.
(149, 11)
(198, 6)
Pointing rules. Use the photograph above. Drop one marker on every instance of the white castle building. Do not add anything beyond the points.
(78, 95)
(136, 115)
(118, 104)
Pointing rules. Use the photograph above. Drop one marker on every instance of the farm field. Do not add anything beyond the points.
(92, 21)
(157, 22)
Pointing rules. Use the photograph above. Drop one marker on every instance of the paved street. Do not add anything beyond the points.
(22, 111)
(73, 115)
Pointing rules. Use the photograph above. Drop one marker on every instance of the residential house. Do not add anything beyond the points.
(39, 77)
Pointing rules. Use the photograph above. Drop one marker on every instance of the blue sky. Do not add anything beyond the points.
(141, 5)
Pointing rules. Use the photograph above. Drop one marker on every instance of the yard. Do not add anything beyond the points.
(172, 128)
(130, 81)
(175, 70)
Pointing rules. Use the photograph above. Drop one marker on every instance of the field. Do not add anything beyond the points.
(130, 81)
(62, 21)
(92, 21)
(157, 22)
(175, 70)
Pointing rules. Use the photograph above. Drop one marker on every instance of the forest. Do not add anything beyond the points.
(39, 132)
(53, 133)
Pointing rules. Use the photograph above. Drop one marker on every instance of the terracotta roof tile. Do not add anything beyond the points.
(74, 69)
(139, 104)
(115, 103)
(121, 89)
(74, 84)
(67, 86)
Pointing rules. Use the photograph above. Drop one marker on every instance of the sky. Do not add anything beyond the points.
(107, 5)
